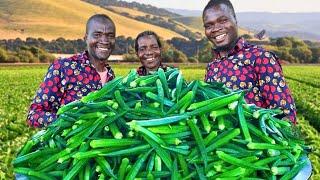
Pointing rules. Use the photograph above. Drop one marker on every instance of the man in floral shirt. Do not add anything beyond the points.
(240, 65)
(71, 78)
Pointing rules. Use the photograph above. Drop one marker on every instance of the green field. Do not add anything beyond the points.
(19, 83)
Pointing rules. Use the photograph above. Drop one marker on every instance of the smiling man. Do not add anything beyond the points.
(240, 65)
(72, 78)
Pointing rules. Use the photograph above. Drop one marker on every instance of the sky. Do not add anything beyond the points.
(275, 6)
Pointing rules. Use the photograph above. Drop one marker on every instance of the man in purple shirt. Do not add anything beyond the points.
(71, 78)
(240, 65)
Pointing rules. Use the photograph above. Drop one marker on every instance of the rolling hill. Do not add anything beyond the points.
(133, 13)
(50, 19)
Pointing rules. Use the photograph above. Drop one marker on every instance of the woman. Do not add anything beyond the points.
(148, 49)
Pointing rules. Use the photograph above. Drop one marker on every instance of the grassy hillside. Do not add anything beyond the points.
(51, 19)
(136, 13)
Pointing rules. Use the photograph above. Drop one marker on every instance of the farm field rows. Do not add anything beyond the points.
(19, 83)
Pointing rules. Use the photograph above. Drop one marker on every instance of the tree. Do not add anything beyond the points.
(315, 55)
(26, 56)
(284, 42)
(171, 54)
(3, 55)
(205, 54)
(303, 53)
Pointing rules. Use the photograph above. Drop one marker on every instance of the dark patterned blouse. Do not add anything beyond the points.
(142, 71)
(67, 80)
(251, 67)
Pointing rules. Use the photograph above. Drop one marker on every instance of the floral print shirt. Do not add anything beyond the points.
(251, 67)
(67, 80)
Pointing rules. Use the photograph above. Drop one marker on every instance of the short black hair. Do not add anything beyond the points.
(146, 33)
(215, 3)
(100, 18)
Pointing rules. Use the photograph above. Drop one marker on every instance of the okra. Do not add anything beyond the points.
(120, 100)
(252, 145)
(243, 123)
(205, 123)
(161, 121)
(259, 134)
(105, 166)
(109, 87)
(98, 143)
(126, 152)
(179, 84)
(122, 168)
(279, 170)
(185, 99)
(136, 167)
(148, 81)
(200, 142)
(153, 96)
(233, 160)
(164, 83)
(168, 129)
(75, 169)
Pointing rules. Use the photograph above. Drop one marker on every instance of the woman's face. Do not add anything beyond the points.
(149, 52)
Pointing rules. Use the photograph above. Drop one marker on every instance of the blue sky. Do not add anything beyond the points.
(242, 5)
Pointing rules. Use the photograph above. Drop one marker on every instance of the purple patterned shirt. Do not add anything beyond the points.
(251, 67)
(67, 80)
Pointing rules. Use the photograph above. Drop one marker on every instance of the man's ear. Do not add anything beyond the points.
(85, 37)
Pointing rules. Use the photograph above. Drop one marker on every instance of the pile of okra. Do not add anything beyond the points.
(162, 127)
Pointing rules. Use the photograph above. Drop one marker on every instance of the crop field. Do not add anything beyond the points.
(18, 85)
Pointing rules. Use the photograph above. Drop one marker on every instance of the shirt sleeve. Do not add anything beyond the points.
(208, 75)
(272, 85)
(48, 97)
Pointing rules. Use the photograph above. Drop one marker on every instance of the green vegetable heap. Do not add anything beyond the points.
(161, 127)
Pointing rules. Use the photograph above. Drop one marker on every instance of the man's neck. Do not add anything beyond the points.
(223, 51)
(99, 65)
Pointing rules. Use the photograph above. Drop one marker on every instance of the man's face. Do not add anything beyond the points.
(149, 52)
(100, 39)
(220, 26)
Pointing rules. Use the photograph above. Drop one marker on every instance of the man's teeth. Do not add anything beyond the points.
(103, 49)
(150, 59)
(220, 37)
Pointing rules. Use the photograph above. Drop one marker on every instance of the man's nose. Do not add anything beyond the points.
(105, 38)
(217, 27)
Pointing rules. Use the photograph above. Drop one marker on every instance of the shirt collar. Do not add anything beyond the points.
(84, 58)
(240, 44)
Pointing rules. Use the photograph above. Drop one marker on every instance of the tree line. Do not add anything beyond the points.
(175, 50)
